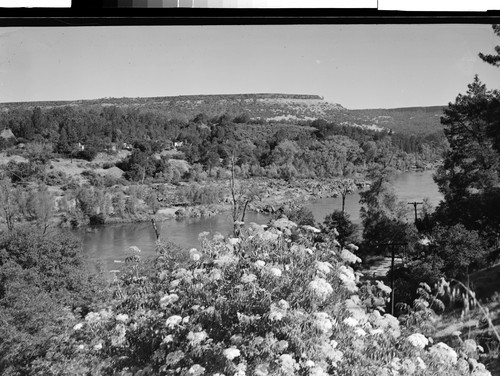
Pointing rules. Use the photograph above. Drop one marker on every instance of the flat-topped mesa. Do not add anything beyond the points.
(130, 100)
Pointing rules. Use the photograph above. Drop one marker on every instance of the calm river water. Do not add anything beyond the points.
(109, 243)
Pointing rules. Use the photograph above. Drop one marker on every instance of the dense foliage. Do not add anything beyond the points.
(45, 285)
(260, 304)
(316, 148)
(469, 176)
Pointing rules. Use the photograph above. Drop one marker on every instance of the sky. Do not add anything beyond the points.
(357, 66)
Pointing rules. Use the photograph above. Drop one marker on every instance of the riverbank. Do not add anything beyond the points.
(85, 193)
(88, 205)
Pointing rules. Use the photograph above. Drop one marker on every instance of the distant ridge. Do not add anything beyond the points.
(272, 107)
(167, 98)
(400, 109)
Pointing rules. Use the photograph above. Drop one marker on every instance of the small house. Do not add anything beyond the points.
(7, 134)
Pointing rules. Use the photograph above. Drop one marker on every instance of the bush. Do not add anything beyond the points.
(55, 261)
(45, 286)
(93, 178)
(97, 219)
(301, 215)
(197, 194)
(253, 305)
(88, 154)
(342, 222)
(107, 165)
(381, 230)
(56, 178)
(460, 250)
(23, 171)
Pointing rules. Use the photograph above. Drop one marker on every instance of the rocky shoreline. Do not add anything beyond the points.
(274, 194)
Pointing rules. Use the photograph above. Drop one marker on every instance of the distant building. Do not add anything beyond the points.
(7, 134)
(111, 147)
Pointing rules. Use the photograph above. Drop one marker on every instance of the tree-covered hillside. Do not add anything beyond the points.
(289, 108)
(408, 120)
(308, 148)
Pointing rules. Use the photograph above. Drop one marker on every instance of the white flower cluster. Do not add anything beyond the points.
(387, 322)
(320, 288)
(168, 299)
(311, 229)
(195, 338)
(233, 241)
(351, 321)
(183, 275)
(194, 255)
(330, 352)
(478, 369)
(261, 369)
(95, 318)
(134, 249)
(244, 319)
(275, 272)
(443, 353)
(324, 267)
(348, 278)
(231, 353)
(260, 263)
(278, 310)
(383, 287)
(215, 275)
(322, 322)
(173, 321)
(196, 370)
(203, 235)
(248, 278)
(317, 371)
(418, 340)
(268, 236)
(349, 257)
(356, 308)
(226, 259)
(288, 364)
(123, 317)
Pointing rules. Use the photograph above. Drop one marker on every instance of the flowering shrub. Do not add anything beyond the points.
(259, 305)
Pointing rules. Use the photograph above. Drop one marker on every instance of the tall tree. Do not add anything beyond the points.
(470, 175)
(471, 165)
(346, 186)
(493, 59)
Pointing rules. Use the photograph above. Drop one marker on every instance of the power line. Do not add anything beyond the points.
(392, 245)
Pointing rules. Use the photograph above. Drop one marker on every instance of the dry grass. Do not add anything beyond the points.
(4, 159)
(102, 158)
(70, 167)
(486, 282)
(473, 323)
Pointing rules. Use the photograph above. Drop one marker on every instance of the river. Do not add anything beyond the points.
(109, 243)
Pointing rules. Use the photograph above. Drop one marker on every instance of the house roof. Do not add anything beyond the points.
(7, 133)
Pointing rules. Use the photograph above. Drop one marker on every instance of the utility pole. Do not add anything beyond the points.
(393, 256)
(415, 206)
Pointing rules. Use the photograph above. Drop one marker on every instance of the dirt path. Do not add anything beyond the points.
(380, 267)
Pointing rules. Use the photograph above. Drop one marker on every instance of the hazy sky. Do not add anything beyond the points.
(358, 66)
